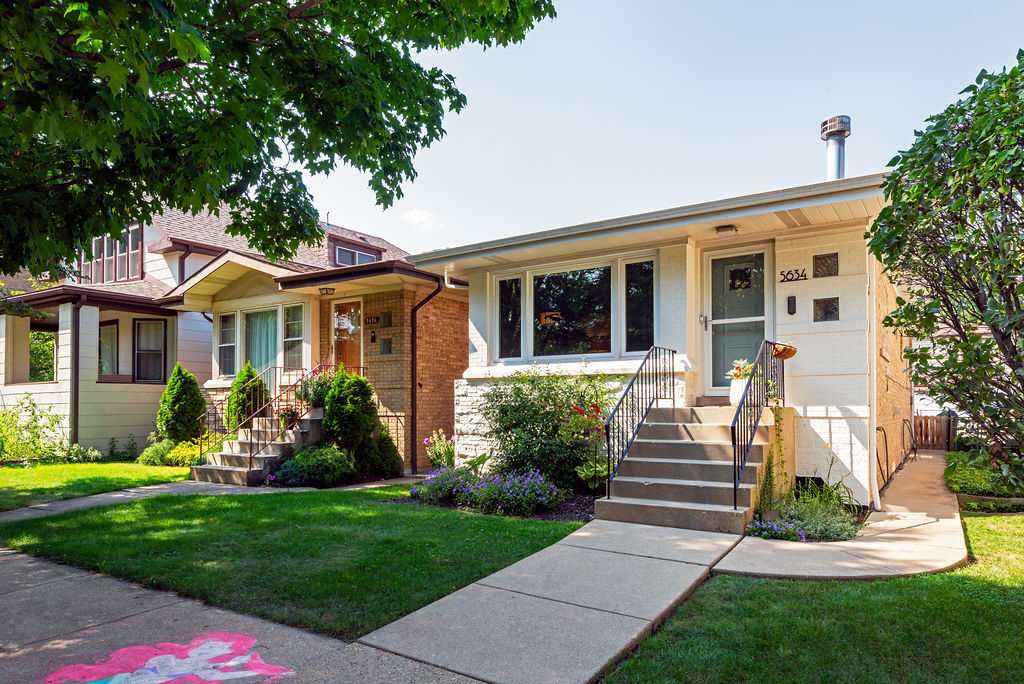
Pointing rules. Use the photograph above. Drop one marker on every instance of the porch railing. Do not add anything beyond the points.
(654, 380)
(766, 381)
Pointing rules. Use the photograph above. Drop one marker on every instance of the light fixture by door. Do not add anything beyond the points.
(326, 291)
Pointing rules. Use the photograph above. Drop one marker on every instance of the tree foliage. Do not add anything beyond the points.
(350, 414)
(181, 404)
(248, 396)
(952, 236)
(110, 110)
(41, 356)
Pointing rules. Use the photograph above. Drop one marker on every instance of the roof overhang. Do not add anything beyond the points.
(167, 245)
(833, 204)
(364, 277)
(200, 288)
(103, 300)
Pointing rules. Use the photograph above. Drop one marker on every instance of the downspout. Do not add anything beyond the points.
(181, 263)
(876, 500)
(76, 346)
(414, 373)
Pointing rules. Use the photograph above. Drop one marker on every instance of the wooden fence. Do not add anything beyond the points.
(933, 432)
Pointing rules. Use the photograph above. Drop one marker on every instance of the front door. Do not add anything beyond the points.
(348, 335)
(735, 328)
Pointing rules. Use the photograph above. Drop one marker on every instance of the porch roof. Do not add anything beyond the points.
(105, 299)
(833, 204)
(361, 277)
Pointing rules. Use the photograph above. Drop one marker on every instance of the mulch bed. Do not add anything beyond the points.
(575, 507)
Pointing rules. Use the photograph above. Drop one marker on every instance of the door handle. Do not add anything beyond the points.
(704, 320)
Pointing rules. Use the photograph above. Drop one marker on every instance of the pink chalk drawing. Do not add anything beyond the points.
(214, 657)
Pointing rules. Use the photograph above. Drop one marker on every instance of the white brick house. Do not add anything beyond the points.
(710, 281)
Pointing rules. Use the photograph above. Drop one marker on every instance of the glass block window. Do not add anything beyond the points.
(826, 309)
(826, 265)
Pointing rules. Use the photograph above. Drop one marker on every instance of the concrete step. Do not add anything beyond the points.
(706, 451)
(276, 448)
(709, 517)
(235, 460)
(228, 475)
(270, 434)
(684, 469)
(695, 432)
(691, 491)
(712, 401)
(715, 415)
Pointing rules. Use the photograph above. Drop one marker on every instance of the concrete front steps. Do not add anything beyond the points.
(230, 464)
(679, 472)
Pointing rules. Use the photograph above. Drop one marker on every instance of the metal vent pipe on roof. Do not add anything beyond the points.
(834, 131)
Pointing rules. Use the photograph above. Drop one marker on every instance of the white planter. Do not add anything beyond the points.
(736, 388)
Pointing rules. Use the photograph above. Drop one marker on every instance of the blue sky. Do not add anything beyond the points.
(615, 108)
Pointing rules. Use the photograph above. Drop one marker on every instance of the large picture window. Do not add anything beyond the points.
(293, 336)
(226, 345)
(579, 310)
(149, 352)
(572, 312)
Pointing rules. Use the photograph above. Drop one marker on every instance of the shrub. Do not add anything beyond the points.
(314, 387)
(287, 475)
(184, 454)
(820, 518)
(181, 405)
(440, 449)
(971, 472)
(76, 453)
(775, 530)
(31, 432)
(156, 453)
(391, 463)
(350, 416)
(502, 493)
(324, 465)
(244, 404)
(367, 458)
(526, 412)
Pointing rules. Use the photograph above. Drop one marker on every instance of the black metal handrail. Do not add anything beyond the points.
(653, 380)
(766, 380)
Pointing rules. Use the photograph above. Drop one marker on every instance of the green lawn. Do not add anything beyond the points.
(961, 626)
(39, 484)
(337, 562)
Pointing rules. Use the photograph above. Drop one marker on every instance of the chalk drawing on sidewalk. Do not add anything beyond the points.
(214, 657)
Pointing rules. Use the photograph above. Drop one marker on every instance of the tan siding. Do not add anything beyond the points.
(893, 388)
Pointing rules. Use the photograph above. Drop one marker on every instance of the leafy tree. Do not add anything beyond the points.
(242, 405)
(113, 109)
(181, 404)
(41, 356)
(952, 236)
(350, 416)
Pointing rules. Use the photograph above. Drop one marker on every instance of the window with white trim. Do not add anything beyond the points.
(344, 256)
(112, 259)
(587, 309)
(226, 344)
(293, 336)
(149, 353)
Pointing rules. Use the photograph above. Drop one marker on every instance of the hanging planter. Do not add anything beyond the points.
(783, 351)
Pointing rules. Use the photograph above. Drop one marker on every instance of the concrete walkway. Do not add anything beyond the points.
(182, 487)
(917, 531)
(565, 613)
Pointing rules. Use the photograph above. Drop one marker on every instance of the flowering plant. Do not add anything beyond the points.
(583, 427)
(440, 449)
(740, 370)
(503, 493)
(314, 387)
(775, 530)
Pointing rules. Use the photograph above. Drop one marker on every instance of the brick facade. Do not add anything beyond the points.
(894, 396)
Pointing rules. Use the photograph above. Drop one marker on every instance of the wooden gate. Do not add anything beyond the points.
(933, 432)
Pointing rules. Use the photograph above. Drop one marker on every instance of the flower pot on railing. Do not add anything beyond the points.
(736, 388)
(783, 351)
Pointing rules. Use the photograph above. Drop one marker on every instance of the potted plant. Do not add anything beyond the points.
(288, 418)
(738, 375)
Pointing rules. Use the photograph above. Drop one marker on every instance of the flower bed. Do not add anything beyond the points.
(518, 494)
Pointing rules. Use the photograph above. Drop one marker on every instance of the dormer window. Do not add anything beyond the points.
(112, 260)
(345, 256)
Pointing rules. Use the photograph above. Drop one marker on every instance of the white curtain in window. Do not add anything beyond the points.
(261, 339)
(149, 351)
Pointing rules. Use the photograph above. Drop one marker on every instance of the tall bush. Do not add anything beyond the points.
(390, 463)
(181, 404)
(350, 416)
(242, 405)
(526, 413)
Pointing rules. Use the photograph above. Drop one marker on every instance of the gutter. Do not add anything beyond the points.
(76, 346)
(414, 372)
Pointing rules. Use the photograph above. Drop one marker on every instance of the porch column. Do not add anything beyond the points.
(16, 348)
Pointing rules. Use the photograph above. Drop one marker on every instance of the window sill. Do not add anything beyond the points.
(32, 384)
(114, 379)
(599, 367)
(218, 383)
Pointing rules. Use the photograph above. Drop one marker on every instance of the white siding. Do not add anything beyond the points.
(194, 344)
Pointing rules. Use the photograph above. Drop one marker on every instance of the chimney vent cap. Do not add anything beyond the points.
(835, 126)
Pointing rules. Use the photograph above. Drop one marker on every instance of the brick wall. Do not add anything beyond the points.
(893, 387)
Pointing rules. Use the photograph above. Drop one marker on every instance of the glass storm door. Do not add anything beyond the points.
(737, 322)
(348, 335)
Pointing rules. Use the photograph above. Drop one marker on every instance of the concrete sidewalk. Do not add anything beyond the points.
(59, 619)
(183, 487)
(565, 613)
(918, 530)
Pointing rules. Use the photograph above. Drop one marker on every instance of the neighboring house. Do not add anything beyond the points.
(354, 302)
(710, 281)
(114, 344)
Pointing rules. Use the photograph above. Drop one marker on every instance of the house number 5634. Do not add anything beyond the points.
(792, 275)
